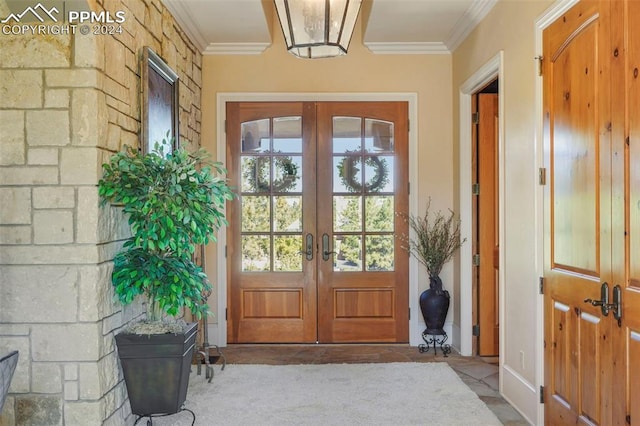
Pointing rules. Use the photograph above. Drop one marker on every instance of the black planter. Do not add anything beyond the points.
(156, 369)
(434, 304)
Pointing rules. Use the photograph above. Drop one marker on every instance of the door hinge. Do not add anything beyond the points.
(541, 285)
(475, 117)
(542, 176)
(408, 187)
(409, 314)
(476, 330)
(539, 58)
(226, 311)
(225, 126)
(475, 189)
(541, 394)
(408, 126)
(476, 260)
(225, 252)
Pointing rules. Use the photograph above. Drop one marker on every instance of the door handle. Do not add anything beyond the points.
(604, 299)
(605, 306)
(308, 251)
(326, 252)
(616, 306)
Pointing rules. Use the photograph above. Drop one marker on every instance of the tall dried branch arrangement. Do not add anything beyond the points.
(437, 237)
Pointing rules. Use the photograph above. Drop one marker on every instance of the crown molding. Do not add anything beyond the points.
(235, 48)
(408, 48)
(185, 20)
(471, 18)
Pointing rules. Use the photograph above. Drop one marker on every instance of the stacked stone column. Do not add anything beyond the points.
(67, 102)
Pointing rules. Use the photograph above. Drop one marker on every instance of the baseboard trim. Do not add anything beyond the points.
(520, 393)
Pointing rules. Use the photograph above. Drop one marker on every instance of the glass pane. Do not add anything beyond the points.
(287, 253)
(255, 136)
(288, 214)
(347, 134)
(378, 136)
(347, 174)
(378, 173)
(256, 174)
(256, 253)
(287, 174)
(379, 252)
(255, 214)
(347, 214)
(348, 255)
(379, 214)
(287, 134)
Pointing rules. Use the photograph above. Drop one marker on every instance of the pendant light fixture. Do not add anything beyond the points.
(317, 28)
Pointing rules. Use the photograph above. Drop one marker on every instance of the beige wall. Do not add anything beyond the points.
(66, 104)
(275, 70)
(510, 27)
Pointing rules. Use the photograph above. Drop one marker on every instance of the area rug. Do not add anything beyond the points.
(333, 394)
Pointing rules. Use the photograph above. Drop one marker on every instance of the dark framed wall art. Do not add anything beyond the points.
(159, 104)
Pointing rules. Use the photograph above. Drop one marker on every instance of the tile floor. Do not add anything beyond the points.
(480, 374)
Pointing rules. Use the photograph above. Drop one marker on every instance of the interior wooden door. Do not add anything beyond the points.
(311, 252)
(488, 249)
(271, 245)
(362, 185)
(577, 119)
(625, 159)
(593, 140)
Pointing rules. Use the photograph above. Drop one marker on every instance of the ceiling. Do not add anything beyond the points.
(389, 26)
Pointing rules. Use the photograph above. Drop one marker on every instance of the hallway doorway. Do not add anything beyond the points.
(485, 237)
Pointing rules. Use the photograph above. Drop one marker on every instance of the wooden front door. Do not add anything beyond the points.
(592, 228)
(311, 254)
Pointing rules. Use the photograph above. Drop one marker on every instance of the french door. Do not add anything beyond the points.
(592, 217)
(312, 254)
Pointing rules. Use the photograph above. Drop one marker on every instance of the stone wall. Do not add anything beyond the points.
(67, 102)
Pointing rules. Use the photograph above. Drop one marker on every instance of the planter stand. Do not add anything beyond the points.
(204, 351)
(151, 417)
(430, 339)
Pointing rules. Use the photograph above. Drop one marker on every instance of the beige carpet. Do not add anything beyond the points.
(333, 394)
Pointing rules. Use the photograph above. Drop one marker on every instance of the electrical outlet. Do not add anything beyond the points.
(522, 359)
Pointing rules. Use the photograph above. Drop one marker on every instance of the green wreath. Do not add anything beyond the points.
(256, 173)
(348, 170)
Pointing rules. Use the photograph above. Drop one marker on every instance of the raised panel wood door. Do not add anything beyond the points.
(625, 161)
(311, 250)
(577, 108)
(592, 224)
(488, 238)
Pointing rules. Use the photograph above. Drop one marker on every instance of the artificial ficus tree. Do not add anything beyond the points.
(174, 202)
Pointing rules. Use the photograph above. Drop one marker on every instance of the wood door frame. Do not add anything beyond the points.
(218, 330)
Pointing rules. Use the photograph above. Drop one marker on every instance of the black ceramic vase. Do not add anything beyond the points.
(434, 304)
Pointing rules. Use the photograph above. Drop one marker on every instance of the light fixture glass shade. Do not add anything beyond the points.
(317, 28)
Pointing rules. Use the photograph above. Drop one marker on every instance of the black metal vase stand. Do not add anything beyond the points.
(431, 340)
(434, 304)
(150, 417)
